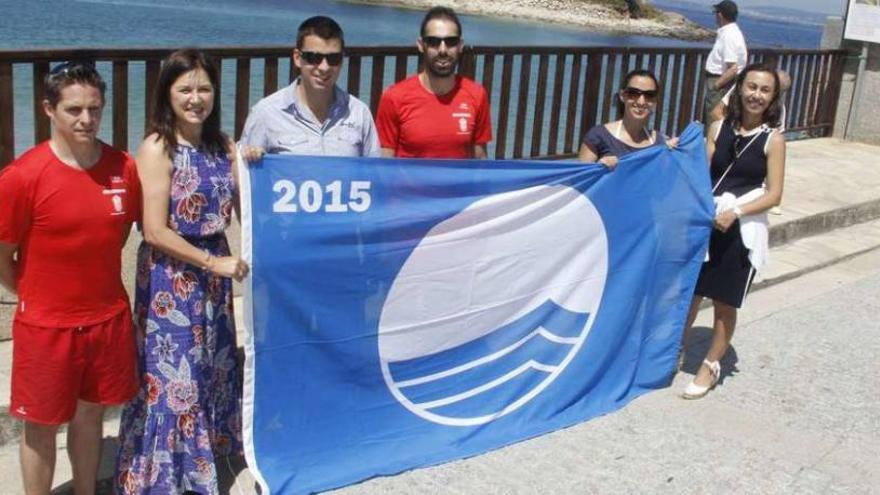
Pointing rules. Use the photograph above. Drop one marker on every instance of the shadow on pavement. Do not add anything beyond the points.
(698, 345)
(105, 469)
(228, 470)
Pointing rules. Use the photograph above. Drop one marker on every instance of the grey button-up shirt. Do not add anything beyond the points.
(281, 123)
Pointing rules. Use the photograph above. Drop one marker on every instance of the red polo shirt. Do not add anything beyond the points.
(417, 123)
(68, 225)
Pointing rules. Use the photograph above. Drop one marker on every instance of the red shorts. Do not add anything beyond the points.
(52, 368)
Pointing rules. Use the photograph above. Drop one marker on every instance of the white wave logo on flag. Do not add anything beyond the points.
(493, 304)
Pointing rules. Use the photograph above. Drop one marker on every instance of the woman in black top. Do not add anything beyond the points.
(746, 153)
(605, 143)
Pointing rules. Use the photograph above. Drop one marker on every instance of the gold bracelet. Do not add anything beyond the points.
(208, 258)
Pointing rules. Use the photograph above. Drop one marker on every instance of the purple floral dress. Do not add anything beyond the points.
(189, 408)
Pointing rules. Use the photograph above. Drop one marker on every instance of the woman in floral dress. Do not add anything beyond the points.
(188, 412)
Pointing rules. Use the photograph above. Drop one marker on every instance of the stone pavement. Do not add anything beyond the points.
(796, 412)
(831, 208)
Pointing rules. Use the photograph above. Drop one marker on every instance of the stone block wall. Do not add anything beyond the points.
(856, 114)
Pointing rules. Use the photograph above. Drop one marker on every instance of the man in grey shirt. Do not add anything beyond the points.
(312, 116)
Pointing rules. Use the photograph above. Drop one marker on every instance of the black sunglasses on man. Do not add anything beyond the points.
(434, 41)
(315, 58)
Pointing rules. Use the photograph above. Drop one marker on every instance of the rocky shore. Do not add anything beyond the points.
(593, 16)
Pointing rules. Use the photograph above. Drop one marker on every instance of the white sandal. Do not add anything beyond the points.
(694, 391)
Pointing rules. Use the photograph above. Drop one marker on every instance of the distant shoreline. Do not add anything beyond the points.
(594, 17)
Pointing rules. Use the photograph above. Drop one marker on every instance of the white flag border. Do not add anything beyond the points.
(247, 406)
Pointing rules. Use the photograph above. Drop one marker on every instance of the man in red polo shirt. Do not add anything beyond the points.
(436, 113)
(66, 208)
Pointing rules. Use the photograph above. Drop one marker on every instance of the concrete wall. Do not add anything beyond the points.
(7, 310)
(857, 120)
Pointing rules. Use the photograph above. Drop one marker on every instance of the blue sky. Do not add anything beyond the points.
(830, 7)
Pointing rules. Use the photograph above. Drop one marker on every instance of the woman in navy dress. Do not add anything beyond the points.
(606, 143)
(747, 156)
(188, 412)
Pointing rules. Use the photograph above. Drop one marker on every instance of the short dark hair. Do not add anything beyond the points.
(321, 26)
(70, 73)
(727, 9)
(772, 113)
(440, 13)
(628, 77)
(163, 120)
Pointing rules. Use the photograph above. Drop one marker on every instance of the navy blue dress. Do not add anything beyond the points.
(728, 274)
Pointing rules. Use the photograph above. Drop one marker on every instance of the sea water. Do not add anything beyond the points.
(213, 23)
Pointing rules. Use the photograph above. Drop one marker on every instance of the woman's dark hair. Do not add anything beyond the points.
(70, 73)
(163, 121)
(629, 77)
(772, 113)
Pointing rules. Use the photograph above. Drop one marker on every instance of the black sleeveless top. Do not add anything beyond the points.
(749, 168)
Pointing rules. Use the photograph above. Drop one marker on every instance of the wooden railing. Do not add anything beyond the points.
(543, 98)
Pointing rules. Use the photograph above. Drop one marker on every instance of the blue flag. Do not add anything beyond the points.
(404, 313)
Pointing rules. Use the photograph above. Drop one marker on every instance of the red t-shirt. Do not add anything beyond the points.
(417, 123)
(68, 225)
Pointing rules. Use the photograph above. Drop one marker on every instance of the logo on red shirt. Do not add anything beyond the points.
(117, 188)
(464, 120)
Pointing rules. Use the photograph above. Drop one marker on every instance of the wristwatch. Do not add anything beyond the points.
(737, 211)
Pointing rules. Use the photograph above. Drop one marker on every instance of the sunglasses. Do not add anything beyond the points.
(434, 41)
(635, 93)
(315, 58)
(73, 68)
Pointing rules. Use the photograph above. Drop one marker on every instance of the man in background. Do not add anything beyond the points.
(729, 55)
